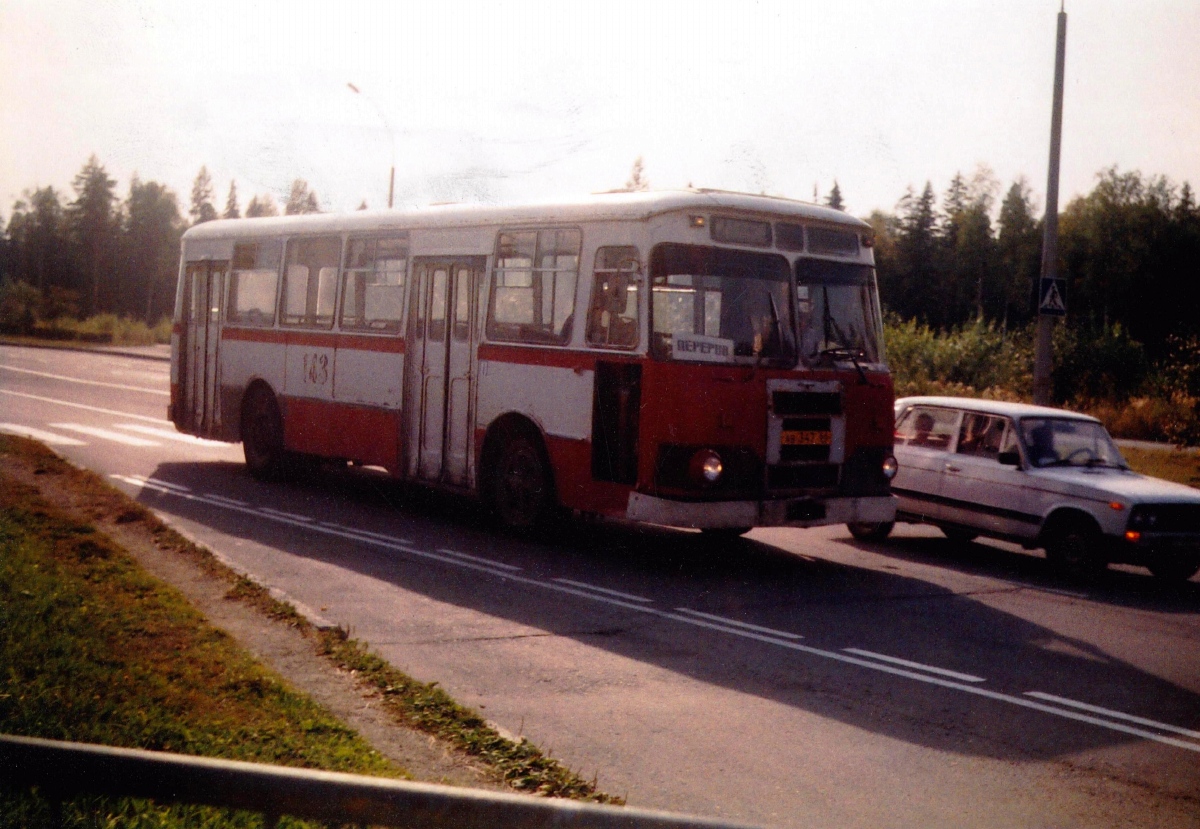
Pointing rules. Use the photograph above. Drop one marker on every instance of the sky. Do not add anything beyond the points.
(503, 102)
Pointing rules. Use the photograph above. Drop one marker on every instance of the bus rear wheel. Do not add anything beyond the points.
(262, 435)
(521, 487)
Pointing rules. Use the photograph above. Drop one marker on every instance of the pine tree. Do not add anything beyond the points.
(152, 229)
(231, 203)
(261, 206)
(301, 199)
(93, 222)
(834, 199)
(637, 177)
(202, 209)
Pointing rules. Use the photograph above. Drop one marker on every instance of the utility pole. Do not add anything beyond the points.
(391, 138)
(1051, 289)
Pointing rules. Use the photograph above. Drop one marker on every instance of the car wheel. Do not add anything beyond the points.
(262, 435)
(959, 535)
(1175, 570)
(870, 530)
(521, 489)
(1073, 549)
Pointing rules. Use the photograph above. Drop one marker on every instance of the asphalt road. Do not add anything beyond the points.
(794, 678)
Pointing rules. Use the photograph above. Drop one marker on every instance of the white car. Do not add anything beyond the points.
(1041, 477)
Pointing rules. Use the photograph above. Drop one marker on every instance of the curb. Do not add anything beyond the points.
(128, 351)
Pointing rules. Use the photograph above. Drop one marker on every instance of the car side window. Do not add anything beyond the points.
(929, 427)
(983, 436)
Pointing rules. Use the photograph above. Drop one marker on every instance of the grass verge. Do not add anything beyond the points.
(1172, 465)
(95, 650)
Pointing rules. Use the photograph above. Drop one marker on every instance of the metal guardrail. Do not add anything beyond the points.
(61, 770)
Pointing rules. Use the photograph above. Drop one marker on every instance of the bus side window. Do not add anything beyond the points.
(253, 282)
(373, 284)
(310, 281)
(533, 286)
(613, 318)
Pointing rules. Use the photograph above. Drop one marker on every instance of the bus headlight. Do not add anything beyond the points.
(706, 467)
(890, 467)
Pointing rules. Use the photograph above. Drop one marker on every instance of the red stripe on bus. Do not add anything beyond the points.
(315, 339)
(336, 430)
(550, 357)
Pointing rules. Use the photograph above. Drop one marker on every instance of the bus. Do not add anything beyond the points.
(694, 358)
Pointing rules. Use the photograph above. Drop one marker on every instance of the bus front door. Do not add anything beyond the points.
(206, 283)
(439, 370)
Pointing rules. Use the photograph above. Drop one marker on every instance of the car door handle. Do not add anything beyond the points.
(952, 468)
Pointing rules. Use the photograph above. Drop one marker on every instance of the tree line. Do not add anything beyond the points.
(97, 253)
(1129, 249)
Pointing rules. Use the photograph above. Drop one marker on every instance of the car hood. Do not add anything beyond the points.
(1118, 484)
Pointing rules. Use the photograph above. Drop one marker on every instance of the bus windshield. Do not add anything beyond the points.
(721, 306)
(838, 309)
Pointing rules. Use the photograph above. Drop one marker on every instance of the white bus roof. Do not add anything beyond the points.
(615, 206)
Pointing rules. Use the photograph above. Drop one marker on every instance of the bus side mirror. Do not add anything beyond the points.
(1009, 458)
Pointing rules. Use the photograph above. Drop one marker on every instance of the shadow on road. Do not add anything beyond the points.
(834, 607)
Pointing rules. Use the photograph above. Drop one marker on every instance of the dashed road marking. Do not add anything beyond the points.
(916, 665)
(57, 402)
(64, 378)
(168, 434)
(739, 624)
(50, 438)
(617, 593)
(105, 434)
(1108, 712)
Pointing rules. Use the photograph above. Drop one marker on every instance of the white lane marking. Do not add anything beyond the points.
(170, 485)
(916, 665)
(231, 501)
(738, 624)
(605, 590)
(168, 434)
(1108, 712)
(105, 434)
(366, 533)
(289, 515)
(37, 434)
(880, 667)
(510, 567)
(64, 378)
(125, 415)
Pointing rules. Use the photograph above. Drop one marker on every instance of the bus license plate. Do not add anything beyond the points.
(815, 438)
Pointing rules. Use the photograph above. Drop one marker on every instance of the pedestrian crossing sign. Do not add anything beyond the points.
(1052, 298)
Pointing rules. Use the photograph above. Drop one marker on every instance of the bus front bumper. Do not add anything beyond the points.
(784, 512)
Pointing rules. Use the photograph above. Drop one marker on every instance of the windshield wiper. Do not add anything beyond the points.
(850, 354)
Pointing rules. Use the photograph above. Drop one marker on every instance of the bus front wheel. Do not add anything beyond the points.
(521, 487)
(262, 435)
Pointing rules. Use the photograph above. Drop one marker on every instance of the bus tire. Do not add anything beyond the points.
(522, 490)
(262, 435)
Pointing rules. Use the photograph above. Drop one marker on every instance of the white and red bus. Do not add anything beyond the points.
(696, 358)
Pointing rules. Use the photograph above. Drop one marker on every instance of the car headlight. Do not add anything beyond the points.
(1142, 518)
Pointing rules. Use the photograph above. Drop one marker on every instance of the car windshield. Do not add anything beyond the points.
(1051, 441)
(838, 309)
(721, 306)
